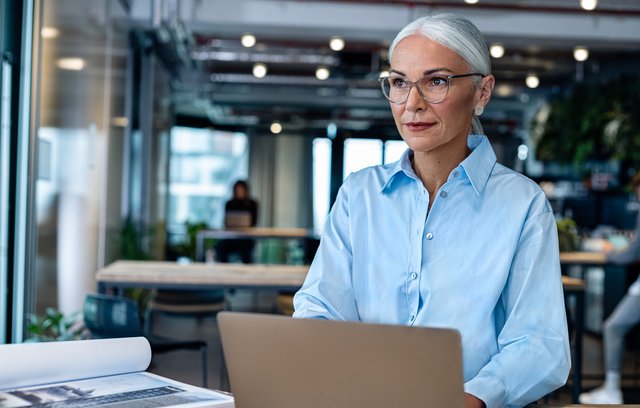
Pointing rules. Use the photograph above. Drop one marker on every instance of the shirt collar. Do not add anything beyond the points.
(477, 166)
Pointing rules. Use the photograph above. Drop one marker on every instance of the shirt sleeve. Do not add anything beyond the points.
(328, 291)
(533, 356)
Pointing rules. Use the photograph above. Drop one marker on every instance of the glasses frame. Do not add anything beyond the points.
(413, 84)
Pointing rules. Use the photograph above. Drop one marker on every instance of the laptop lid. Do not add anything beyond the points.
(237, 219)
(280, 362)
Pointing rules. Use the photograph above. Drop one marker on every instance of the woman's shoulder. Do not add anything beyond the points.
(516, 187)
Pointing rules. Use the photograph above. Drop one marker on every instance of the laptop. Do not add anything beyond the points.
(280, 362)
(237, 219)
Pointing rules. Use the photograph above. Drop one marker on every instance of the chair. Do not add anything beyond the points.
(111, 316)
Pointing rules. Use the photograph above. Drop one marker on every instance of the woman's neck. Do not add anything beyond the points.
(433, 168)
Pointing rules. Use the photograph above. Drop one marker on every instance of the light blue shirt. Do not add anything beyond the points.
(483, 260)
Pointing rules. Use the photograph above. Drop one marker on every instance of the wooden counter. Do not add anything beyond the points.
(158, 274)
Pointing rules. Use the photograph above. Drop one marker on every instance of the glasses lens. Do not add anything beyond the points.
(434, 88)
(395, 89)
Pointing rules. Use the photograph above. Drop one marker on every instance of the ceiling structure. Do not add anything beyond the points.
(199, 41)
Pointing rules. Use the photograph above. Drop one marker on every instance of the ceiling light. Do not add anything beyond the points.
(496, 50)
(248, 40)
(384, 73)
(471, 1)
(120, 121)
(322, 73)
(49, 32)
(259, 70)
(275, 128)
(504, 90)
(71, 64)
(580, 53)
(588, 4)
(532, 81)
(523, 152)
(336, 43)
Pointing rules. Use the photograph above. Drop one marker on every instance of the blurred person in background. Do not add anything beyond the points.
(624, 317)
(241, 211)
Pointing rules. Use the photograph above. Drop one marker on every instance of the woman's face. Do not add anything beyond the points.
(428, 127)
(240, 192)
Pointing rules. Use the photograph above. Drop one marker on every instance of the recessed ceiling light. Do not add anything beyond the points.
(580, 53)
(248, 40)
(322, 73)
(336, 43)
(259, 70)
(120, 121)
(504, 90)
(471, 1)
(523, 152)
(588, 4)
(71, 64)
(49, 32)
(496, 50)
(532, 81)
(275, 128)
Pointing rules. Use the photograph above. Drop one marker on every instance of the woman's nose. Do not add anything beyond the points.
(415, 102)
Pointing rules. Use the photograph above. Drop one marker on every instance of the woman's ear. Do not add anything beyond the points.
(486, 88)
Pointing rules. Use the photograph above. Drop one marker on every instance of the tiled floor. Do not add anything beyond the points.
(185, 365)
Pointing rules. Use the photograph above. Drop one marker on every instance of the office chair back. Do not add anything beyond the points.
(110, 316)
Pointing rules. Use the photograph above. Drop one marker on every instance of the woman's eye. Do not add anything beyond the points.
(437, 81)
(399, 83)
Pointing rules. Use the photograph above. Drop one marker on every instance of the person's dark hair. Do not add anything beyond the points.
(241, 183)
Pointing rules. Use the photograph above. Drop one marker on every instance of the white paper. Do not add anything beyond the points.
(121, 391)
(93, 373)
(28, 364)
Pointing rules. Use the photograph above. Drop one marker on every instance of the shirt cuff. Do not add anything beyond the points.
(489, 390)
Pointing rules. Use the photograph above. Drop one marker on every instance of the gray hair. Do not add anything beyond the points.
(457, 33)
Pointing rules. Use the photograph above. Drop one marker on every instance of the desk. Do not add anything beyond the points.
(583, 258)
(603, 296)
(584, 406)
(244, 233)
(201, 276)
(170, 275)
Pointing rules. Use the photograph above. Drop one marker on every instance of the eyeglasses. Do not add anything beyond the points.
(432, 88)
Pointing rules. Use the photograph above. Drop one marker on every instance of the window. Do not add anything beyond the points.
(204, 164)
(393, 149)
(321, 181)
(361, 153)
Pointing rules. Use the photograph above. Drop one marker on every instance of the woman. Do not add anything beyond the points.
(624, 317)
(446, 236)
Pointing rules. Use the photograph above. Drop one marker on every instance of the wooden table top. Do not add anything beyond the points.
(574, 284)
(590, 258)
(231, 274)
(224, 274)
(257, 232)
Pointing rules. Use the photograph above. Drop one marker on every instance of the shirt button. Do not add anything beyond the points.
(429, 235)
(456, 174)
(413, 275)
(443, 194)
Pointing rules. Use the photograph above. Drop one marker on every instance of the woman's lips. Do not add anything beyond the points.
(418, 126)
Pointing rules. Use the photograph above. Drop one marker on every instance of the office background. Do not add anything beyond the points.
(125, 121)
